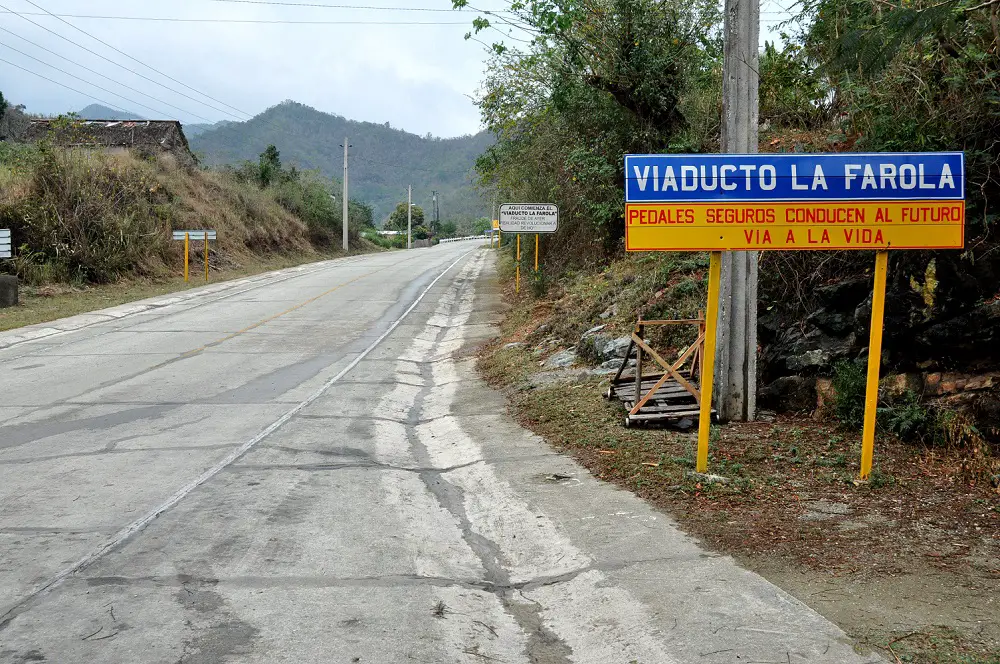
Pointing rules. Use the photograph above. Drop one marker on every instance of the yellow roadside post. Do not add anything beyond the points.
(874, 362)
(517, 278)
(499, 238)
(708, 363)
(536, 254)
(187, 258)
(206, 256)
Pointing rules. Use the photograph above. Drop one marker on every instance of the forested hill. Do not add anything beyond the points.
(383, 160)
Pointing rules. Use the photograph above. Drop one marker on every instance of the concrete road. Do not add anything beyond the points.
(303, 467)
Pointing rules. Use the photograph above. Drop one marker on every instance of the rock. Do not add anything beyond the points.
(706, 477)
(616, 347)
(8, 291)
(937, 384)
(810, 359)
(832, 322)
(609, 312)
(825, 398)
(789, 394)
(899, 384)
(558, 377)
(844, 295)
(610, 367)
(542, 329)
(561, 360)
(591, 348)
(592, 331)
(511, 346)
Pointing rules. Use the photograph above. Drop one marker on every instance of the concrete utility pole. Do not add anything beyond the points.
(346, 220)
(736, 366)
(434, 211)
(409, 217)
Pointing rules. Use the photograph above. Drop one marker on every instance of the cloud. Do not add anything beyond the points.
(417, 77)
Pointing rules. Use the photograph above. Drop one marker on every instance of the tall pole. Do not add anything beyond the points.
(345, 217)
(409, 217)
(434, 211)
(736, 369)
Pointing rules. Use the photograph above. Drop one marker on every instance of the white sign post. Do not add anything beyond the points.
(4, 243)
(528, 218)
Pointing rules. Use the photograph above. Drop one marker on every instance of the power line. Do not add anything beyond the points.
(325, 6)
(103, 89)
(79, 92)
(116, 50)
(132, 71)
(97, 73)
(172, 19)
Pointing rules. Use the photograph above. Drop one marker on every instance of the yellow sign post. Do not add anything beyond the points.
(517, 264)
(186, 236)
(874, 362)
(708, 365)
(792, 202)
(536, 254)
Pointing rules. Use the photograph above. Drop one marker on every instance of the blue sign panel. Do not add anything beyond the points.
(690, 178)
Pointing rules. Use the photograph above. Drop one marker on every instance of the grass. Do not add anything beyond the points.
(48, 303)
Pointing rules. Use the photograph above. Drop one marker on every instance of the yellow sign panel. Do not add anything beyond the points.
(794, 226)
(496, 224)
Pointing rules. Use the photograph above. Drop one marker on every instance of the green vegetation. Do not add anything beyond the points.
(645, 76)
(384, 160)
(399, 220)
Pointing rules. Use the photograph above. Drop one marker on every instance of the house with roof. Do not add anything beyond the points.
(149, 137)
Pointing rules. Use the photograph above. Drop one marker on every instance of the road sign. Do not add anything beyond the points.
(4, 243)
(529, 218)
(205, 236)
(194, 235)
(496, 224)
(795, 202)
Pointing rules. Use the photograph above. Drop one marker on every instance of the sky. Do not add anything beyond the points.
(406, 66)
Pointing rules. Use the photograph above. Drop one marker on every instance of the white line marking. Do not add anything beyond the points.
(136, 526)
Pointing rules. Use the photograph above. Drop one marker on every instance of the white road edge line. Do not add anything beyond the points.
(139, 524)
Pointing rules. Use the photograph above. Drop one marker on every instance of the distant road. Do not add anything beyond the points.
(304, 468)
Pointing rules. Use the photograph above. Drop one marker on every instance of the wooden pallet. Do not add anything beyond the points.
(669, 396)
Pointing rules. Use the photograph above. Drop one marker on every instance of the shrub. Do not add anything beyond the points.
(849, 386)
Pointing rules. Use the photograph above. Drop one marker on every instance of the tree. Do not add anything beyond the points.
(3, 106)
(270, 166)
(398, 220)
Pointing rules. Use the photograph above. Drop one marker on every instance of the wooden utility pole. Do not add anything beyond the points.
(346, 220)
(736, 368)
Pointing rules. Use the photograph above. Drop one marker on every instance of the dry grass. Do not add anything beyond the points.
(87, 217)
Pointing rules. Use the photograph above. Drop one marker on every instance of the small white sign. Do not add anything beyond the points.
(194, 235)
(529, 218)
(4, 243)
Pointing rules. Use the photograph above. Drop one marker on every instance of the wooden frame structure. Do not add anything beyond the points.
(671, 394)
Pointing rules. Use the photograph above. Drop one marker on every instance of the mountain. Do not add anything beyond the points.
(197, 129)
(383, 160)
(98, 112)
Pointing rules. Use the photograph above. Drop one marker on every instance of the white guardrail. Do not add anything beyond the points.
(4, 243)
(463, 239)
